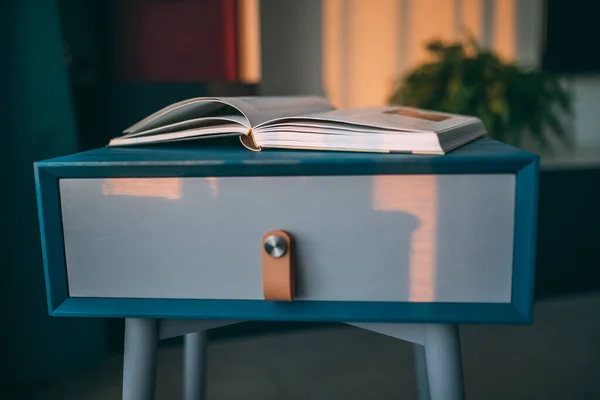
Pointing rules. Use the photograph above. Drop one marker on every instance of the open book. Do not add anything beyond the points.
(304, 122)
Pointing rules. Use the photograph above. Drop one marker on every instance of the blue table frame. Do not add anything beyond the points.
(438, 320)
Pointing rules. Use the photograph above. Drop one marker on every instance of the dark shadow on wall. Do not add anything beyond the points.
(37, 123)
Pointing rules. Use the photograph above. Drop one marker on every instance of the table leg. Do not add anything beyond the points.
(444, 364)
(194, 365)
(421, 371)
(139, 363)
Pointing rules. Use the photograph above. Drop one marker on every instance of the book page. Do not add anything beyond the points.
(261, 109)
(390, 118)
(324, 125)
(202, 133)
(251, 110)
(197, 123)
(183, 111)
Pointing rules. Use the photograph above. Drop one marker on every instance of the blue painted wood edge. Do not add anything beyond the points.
(50, 221)
(207, 170)
(481, 157)
(316, 311)
(524, 247)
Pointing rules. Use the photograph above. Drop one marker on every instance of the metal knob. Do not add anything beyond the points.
(275, 246)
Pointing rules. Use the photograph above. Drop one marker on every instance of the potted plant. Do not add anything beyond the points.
(512, 101)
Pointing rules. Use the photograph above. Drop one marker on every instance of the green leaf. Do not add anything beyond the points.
(510, 100)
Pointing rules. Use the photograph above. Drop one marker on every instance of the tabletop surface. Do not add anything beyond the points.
(484, 149)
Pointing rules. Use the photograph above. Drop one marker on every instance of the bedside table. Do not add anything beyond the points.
(172, 240)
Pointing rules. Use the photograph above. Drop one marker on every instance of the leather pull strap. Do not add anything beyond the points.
(278, 266)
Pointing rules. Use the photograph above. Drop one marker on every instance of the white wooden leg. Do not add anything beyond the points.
(139, 363)
(194, 351)
(194, 366)
(444, 362)
(421, 372)
(437, 357)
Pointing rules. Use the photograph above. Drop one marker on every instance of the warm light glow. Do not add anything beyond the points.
(249, 41)
(471, 17)
(167, 188)
(360, 39)
(429, 19)
(333, 51)
(214, 186)
(504, 35)
(415, 195)
(367, 44)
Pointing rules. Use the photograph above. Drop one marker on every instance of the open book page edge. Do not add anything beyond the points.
(282, 122)
(328, 149)
(246, 106)
(339, 129)
(135, 128)
(263, 109)
(165, 110)
(353, 117)
(189, 125)
(189, 134)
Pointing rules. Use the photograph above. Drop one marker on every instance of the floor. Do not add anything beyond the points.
(558, 357)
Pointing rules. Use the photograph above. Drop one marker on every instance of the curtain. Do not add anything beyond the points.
(37, 123)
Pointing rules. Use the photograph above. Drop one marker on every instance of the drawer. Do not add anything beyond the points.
(359, 238)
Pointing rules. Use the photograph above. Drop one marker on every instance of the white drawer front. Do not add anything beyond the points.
(420, 238)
